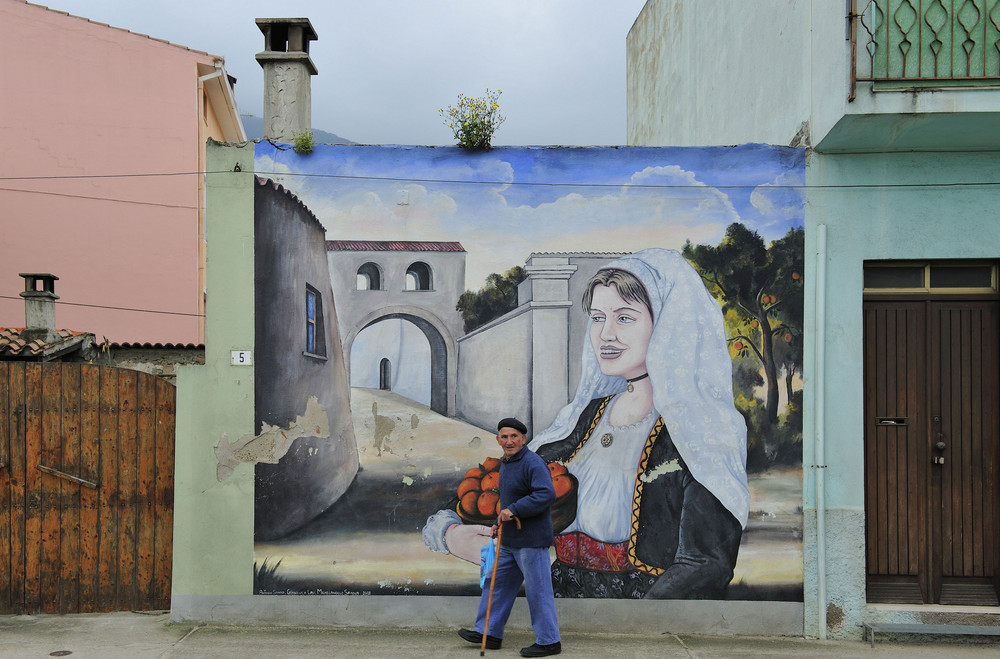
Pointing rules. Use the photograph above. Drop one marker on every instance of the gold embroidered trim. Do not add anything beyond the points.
(633, 536)
(593, 424)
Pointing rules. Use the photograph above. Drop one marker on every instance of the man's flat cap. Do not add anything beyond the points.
(511, 422)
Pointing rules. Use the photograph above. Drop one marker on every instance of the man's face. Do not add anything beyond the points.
(511, 441)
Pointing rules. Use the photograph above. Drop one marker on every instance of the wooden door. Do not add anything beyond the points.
(86, 488)
(931, 451)
(963, 440)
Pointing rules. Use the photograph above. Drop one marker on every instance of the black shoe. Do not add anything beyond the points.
(536, 650)
(492, 642)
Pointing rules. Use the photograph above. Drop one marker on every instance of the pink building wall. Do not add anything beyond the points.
(102, 134)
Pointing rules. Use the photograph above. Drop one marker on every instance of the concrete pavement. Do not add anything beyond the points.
(152, 635)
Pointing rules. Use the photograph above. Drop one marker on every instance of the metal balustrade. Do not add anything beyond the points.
(924, 44)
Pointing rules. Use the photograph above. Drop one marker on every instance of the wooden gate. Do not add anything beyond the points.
(86, 488)
(932, 451)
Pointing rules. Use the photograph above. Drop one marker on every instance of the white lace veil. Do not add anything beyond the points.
(691, 373)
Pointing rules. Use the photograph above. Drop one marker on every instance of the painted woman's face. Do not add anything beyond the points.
(619, 332)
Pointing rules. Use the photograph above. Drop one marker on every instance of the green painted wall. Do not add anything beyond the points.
(213, 520)
(899, 217)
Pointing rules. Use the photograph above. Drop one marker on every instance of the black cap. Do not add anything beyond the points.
(511, 422)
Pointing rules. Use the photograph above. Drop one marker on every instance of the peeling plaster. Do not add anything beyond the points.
(665, 468)
(384, 426)
(273, 442)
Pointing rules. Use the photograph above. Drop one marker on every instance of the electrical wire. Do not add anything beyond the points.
(108, 199)
(101, 306)
(399, 179)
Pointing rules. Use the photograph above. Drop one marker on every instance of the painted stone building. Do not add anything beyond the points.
(398, 320)
(300, 388)
(897, 102)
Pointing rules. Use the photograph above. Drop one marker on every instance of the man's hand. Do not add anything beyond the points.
(506, 515)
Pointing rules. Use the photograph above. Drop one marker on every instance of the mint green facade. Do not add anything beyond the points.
(213, 520)
(889, 221)
(902, 164)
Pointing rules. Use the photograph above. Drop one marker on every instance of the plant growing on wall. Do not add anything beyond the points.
(474, 119)
(304, 143)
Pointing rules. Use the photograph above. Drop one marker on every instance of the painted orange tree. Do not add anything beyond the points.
(760, 288)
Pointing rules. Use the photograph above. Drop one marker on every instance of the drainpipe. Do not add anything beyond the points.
(820, 425)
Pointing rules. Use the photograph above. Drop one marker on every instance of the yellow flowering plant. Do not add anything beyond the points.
(474, 119)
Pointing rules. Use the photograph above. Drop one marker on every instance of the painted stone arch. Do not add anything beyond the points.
(444, 363)
(419, 277)
(370, 277)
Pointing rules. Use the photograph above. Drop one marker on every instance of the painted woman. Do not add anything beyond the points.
(654, 439)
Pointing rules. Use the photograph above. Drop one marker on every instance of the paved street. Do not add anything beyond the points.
(142, 636)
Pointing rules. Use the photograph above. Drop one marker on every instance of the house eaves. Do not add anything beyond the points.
(215, 82)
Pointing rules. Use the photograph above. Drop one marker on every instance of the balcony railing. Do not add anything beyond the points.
(925, 44)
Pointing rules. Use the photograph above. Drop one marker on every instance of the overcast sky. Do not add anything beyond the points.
(386, 66)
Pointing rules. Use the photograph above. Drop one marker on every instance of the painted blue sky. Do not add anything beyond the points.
(506, 203)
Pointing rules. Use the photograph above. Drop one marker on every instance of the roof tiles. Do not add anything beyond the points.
(392, 246)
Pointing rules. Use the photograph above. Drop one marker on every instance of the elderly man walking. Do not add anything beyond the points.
(526, 492)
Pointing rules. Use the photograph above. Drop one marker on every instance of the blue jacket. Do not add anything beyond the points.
(526, 490)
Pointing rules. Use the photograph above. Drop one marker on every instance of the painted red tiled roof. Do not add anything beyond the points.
(12, 345)
(392, 246)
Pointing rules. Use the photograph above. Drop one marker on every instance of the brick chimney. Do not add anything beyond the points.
(39, 307)
(287, 76)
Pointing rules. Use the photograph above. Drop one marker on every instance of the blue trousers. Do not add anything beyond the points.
(515, 566)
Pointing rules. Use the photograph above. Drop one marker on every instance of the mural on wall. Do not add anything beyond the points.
(639, 308)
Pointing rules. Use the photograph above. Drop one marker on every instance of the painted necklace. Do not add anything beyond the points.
(607, 438)
(631, 387)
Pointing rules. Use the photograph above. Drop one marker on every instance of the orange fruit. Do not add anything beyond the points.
(491, 464)
(556, 468)
(491, 481)
(469, 502)
(468, 485)
(488, 502)
(475, 472)
(562, 484)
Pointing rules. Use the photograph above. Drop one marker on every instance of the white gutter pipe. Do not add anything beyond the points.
(820, 425)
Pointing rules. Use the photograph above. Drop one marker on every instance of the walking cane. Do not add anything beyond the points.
(493, 580)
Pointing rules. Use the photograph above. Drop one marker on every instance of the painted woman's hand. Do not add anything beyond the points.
(465, 540)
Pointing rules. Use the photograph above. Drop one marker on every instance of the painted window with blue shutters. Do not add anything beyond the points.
(315, 337)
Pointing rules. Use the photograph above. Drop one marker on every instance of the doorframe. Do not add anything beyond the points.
(930, 579)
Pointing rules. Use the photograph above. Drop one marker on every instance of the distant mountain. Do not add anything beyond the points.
(254, 126)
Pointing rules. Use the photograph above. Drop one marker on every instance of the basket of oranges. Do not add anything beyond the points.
(479, 494)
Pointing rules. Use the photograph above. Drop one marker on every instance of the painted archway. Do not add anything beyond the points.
(443, 362)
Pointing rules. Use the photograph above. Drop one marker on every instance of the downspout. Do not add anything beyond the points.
(820, 425)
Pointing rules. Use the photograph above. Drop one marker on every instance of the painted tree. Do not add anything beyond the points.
(763, 286)
(493, 300)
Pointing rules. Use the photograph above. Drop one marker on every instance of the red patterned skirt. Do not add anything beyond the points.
(580, 550)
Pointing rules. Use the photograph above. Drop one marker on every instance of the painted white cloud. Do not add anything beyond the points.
(660, 206)
(780, 200)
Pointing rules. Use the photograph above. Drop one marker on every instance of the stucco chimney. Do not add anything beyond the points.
(39, 307)
(287, 76)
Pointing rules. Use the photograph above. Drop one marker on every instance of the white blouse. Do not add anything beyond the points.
(606, 470)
